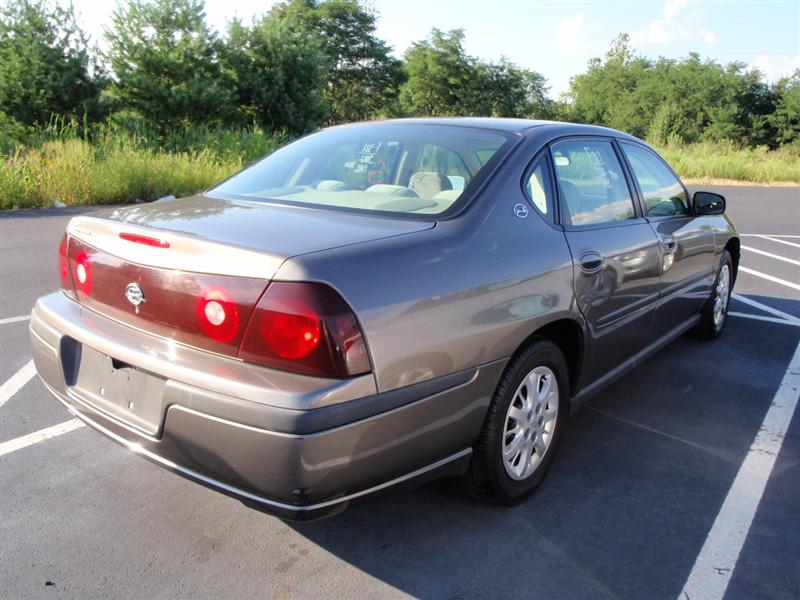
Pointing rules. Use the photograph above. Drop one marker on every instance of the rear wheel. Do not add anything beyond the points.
(715, 310)
(522, 428)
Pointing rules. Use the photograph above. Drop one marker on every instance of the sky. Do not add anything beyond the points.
(557, 38)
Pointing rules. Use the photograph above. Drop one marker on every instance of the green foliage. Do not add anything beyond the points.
(279, 75)
(362, 79)
(165, 62)
(690, 99)
(118, 166)
(786, 119)
(440, 76)
(45, 64)
(187, 108)
(727, 160)
(509, 91)
(443, 80)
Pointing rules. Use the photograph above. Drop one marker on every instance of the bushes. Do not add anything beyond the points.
(724, 160)
(119, 167)
(123, 167)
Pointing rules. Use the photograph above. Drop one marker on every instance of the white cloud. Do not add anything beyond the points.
(775, 66)
(571, 34)
(574, 35)
(675, 23)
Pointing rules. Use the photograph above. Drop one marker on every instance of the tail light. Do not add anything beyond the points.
(218, 314)
(83, 276)
(63, 267)
(306, 328)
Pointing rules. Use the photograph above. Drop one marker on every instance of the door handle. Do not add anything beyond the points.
(592, 262)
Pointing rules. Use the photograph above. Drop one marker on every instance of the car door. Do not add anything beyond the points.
(615, 252)
(687, 243)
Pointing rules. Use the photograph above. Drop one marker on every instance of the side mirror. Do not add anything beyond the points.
(708, 203)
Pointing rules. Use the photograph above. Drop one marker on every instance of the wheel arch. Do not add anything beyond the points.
(734, 248)
(569, 336)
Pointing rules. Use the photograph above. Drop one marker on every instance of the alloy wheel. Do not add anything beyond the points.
(530, 423)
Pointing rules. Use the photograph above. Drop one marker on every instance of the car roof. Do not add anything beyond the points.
(518, 126)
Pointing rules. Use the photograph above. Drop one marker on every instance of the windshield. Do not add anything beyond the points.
(391, 167)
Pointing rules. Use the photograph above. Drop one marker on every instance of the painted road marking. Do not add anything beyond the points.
(794, 286)
(39, 436)
(768, 235)
(763, 318)
(16, 382)
(774, 239)
(771, 255)
(15, 319)
(765, 308)
(717, 560)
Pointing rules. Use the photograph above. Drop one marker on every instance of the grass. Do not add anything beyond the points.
(118, 167)
(114, 166)
(708, 162)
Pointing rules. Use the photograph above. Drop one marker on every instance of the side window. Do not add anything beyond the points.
(664, 195)
(435, 159)
(591, 182)
(539, 188)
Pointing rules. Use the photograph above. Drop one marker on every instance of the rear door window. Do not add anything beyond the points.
(591, 182)
(539, 188)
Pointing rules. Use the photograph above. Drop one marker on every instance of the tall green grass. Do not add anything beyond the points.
(724, 160)
(109, 166)
(104, 164)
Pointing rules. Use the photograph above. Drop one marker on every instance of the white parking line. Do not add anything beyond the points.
(15, 319)
(767, 235)
(774, 239)
(765, 308)
(39, 436)
(716, 562)
(794, 286)
(771, 255)
(763, 318)
(17, 381)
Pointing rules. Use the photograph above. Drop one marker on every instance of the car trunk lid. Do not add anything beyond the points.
(158, 267)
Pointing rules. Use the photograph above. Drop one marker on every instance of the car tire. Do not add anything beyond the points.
(494, 473)
(714, 313)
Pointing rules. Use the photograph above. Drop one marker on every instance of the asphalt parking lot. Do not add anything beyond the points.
(657, 471)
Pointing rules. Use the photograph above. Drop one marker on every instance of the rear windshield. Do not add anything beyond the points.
(389, 167)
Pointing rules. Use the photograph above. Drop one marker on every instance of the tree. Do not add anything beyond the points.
(45, 65)
(278, 75)
(785, 120)
(166, 63)
(509, 91)
(362, 77)
(688, 100)
(441, 77)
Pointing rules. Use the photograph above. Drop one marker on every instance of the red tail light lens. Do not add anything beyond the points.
(83, 273)
(218, 314)
(144, 239)
(63, 267)
(306, 328)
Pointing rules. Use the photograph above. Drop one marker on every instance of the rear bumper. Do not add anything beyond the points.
(299, 447)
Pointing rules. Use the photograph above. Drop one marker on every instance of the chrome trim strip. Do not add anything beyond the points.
(234, 491)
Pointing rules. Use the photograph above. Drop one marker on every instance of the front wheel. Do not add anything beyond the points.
(522, 428)
(715, 310)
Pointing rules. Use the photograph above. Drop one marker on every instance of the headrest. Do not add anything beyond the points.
(391, 190)
(428, 183)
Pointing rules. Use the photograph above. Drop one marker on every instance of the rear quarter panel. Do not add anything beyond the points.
(465, 293)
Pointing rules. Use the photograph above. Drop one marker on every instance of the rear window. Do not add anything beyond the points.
(388, 167)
